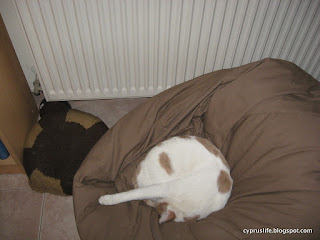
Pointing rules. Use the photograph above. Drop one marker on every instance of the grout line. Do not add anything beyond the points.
(15, 189)
(9, 174)
(41, 216)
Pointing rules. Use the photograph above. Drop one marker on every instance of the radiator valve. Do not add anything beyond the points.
(36, 83)
(36, 87)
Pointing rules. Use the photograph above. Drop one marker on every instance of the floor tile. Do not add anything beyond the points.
(136, 102)
(106, 110)
(58, 221)
(20, 213)
(14, 182)
(109, 111)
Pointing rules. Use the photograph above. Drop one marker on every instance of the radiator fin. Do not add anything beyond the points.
(136, 48)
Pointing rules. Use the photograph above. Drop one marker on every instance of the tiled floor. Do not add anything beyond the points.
(26, 214)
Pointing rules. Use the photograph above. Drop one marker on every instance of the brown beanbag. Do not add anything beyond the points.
(265, 118)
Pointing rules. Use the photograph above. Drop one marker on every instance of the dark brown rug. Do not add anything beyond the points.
(57, 145)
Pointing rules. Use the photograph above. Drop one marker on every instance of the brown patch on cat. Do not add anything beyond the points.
(213, 149)
(224, 182)
(171, 216)
(159, 144)
(161, 207)
(194, 218)
(165, 162)
(135, 176)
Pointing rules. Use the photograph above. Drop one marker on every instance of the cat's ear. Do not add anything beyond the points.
(165, 214)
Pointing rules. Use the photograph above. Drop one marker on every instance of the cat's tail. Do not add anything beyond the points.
(144, 193)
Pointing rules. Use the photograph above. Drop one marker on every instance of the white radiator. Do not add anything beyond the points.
(129, 48)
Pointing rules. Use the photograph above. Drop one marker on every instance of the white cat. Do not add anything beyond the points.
(184, 178)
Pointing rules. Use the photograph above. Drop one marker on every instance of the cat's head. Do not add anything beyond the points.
(167, 214)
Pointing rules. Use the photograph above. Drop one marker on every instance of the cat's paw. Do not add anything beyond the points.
(106, 200)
